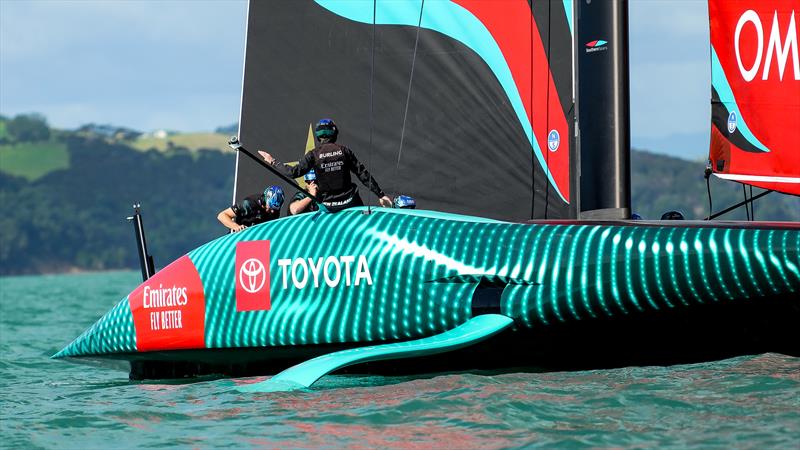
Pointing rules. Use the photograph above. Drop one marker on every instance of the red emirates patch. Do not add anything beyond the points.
(252, 276)
(169, 309)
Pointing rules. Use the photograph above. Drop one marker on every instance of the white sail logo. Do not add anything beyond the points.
(776, 48)
(732, 122)
(252, 275)
(553, 140)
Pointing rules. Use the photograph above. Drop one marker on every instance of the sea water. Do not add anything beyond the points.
(745, 402)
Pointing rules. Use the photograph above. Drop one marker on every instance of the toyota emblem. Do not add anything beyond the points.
(252, 275)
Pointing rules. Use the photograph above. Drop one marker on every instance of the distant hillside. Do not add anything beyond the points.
(65, 197)
(661, 183)
(71, 216)
(189, 141)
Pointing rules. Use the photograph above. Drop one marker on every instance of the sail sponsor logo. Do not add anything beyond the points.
(553, 140)
(331, 271)
(332, 166)
(252, 277)
(598, 45)
(732, 122)
(330, 154)
(781, 48)
(169, 309)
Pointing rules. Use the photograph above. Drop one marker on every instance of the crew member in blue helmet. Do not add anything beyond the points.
(302, 203)
(254, 209)
(333, 164)
(405, 202)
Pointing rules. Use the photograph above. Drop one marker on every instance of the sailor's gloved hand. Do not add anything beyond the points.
(385, 201)
(267, 157)
(313, 188)
(238, 227)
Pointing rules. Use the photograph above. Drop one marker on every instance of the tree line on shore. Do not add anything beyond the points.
(74, 218)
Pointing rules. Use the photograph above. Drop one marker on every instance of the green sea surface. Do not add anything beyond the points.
(745, 402)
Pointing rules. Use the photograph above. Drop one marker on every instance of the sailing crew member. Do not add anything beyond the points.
(333, 164)
(405, 202)
(672, 215)
(254, 209)
(302, 203)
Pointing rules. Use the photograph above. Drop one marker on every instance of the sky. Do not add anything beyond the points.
(177, 65)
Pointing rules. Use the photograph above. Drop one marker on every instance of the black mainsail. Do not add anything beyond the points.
(465, 105)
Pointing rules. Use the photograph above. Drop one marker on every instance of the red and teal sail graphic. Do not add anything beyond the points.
(755, 74)
(507, 38)
(465, 105)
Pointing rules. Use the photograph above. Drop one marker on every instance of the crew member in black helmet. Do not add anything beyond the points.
(333, 164)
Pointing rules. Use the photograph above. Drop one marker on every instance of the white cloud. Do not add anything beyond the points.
(95, 61)
(140, 63)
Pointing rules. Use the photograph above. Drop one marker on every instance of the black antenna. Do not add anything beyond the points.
(145, 260)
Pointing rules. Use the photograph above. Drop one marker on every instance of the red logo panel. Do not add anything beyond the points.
(252, 276)
(169, 309)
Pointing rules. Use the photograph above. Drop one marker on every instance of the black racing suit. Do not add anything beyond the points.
(333, 164)
(302, 196)
(252, 211)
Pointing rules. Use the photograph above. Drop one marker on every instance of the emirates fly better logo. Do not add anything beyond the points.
(252, 276)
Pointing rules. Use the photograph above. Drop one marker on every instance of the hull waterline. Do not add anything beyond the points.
(581, 294)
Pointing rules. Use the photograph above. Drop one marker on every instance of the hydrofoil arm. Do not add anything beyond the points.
(305, 374)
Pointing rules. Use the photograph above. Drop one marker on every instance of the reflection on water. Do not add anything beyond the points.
(751, 401)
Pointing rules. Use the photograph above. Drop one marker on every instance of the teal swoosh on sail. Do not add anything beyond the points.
(720, 83)
(568, 12)
(458, 23)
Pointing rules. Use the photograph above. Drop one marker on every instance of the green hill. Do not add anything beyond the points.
(65, 198)
(73, 218)
(189, 141)
(33, 160)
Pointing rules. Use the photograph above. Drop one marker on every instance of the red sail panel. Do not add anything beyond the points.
(516, 32)
(755, 132)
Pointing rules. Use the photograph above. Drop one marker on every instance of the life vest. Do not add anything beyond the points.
(332, 169)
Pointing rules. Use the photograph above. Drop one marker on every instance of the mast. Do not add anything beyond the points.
(604, 109)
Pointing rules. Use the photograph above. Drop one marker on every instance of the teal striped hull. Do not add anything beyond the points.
(356, 278)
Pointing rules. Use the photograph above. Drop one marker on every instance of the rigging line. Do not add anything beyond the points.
(746, 203)
(530, 120)
(547, 96)
(752, 204)
(371, 102)
(408, 95)
(708, 172)
(731, 208)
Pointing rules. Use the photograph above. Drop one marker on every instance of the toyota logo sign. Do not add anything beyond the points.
(252, 275)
